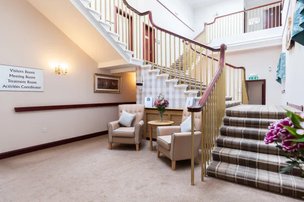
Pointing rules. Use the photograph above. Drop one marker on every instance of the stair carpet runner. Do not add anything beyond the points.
(241, 156)
(231, 103)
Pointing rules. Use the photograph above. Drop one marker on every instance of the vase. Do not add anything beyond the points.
(161, 114)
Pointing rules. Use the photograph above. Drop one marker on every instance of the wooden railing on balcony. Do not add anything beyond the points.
(254, 19)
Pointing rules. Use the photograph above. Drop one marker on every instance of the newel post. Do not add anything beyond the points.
(192, 110)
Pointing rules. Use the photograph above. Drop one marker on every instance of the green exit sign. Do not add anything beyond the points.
(253, 77)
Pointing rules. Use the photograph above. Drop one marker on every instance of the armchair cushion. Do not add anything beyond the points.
(124, 132)
(167, 130)
(164, 141)
(126, 119)
(186, 125)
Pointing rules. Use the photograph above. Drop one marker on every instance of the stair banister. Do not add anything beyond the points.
(211, 105)
(235, 79)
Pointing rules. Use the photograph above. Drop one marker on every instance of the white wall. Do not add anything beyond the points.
(294, 64)
(262, 62)
(164, 19)
(29, 39)
(206, 14)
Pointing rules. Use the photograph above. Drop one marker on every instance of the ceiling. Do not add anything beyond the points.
(196, 3)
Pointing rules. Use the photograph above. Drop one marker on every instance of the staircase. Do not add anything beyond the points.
(155, 83)
(241, 156)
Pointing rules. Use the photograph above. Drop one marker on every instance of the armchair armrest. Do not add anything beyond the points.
(139, 131)
(167, 130)
(111, 127)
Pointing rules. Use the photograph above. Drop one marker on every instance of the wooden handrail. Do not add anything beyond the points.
(209, 89)
(243, 11)
(149, 13)
(205, 96)
(229, 65)
(70, 106)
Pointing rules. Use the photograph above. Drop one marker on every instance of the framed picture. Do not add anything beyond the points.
(106, 83)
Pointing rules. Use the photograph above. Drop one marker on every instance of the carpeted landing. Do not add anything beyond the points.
(87, 171)
(241, 156)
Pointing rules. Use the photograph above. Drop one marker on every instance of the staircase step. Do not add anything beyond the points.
(270, 162)
(232, 103)
(166, 76)
(243, 132)
(257, 146)
(257, 111)
(136, 61)
(181, 86)
(172, 80)
(149, 67)
(105, 25)
(287, 185)
(114, 35)
(122, 45)
(96, 14)
(153, 71)
(193, 92)
(248, 122)
(228, 98)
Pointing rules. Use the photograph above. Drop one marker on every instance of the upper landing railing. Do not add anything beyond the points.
(254, 19)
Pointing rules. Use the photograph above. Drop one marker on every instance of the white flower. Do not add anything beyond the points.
(300, 131)
(302, 124)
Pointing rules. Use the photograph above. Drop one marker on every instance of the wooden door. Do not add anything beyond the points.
(256, 90)
(148, 43)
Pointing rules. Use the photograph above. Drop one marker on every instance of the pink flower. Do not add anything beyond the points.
(277, 130)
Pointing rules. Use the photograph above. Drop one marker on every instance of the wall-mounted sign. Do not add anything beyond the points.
(148, 102)
(20, 78)
(253, 77)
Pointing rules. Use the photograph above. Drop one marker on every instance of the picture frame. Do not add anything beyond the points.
(106, 83)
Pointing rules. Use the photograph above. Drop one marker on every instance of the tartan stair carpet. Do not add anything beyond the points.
(241, 156)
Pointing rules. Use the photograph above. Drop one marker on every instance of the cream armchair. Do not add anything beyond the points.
(127, 135)
(176, 145)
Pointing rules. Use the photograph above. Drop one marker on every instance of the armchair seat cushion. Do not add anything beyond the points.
(164, 141)
(124, 132)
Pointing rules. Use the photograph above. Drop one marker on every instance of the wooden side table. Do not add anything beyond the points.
(156, 123)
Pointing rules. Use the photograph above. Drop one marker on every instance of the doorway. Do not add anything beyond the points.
(256, 90)
(149, 43)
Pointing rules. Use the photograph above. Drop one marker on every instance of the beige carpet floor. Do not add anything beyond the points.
(88, 171)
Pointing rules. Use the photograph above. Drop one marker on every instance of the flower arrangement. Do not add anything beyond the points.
(161, 103)
(288, 135)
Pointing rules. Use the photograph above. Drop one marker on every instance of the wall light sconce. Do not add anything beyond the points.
(60, 69)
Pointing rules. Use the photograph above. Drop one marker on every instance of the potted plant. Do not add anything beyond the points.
(288, 135)
(161, 103)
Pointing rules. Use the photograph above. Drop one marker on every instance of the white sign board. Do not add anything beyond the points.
(20, 79)
(148, 102)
